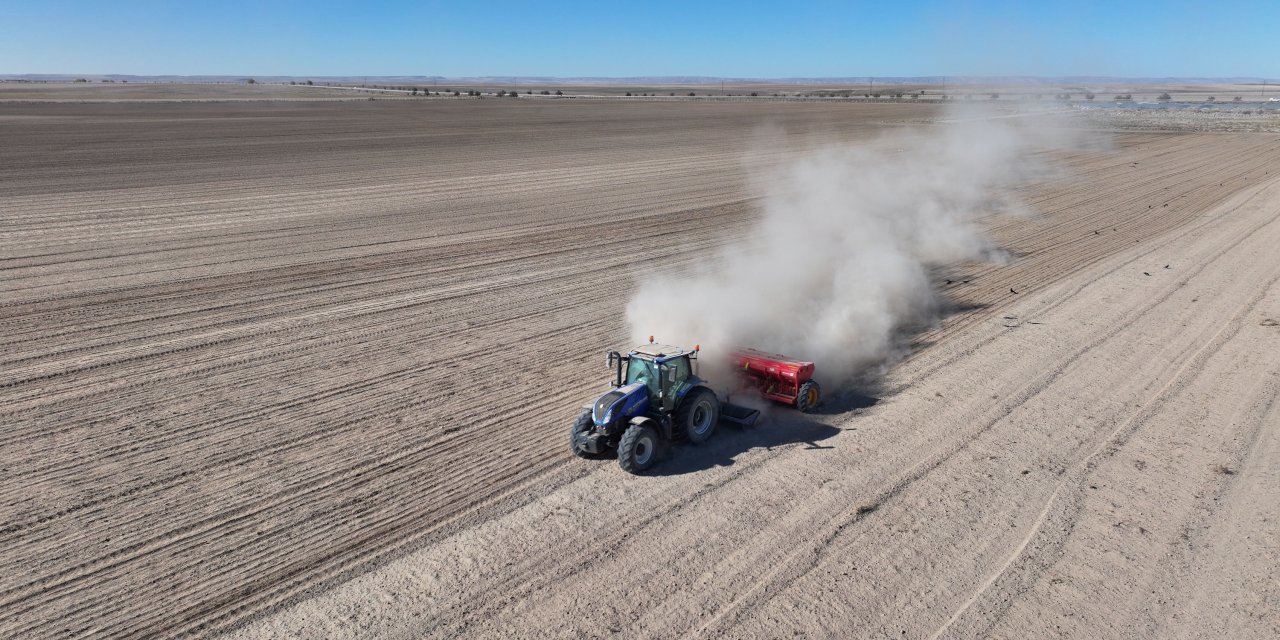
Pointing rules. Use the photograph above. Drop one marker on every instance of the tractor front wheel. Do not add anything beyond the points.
(638, 448)
(697, 416)
(809, 396)
(581, 427)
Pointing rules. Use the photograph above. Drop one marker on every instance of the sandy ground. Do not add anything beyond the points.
(285, 368)
(1099, 460)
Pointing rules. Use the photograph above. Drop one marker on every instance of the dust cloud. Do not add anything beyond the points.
(837, 268)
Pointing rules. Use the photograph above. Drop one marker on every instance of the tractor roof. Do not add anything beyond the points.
(658, 351)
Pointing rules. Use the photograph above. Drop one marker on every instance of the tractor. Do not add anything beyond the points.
(657, 396)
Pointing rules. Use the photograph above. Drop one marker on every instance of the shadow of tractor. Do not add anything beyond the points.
(779, 428)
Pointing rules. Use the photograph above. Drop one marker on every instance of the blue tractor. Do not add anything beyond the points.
(657, 395)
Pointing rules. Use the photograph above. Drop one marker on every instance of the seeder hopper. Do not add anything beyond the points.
(778, 378)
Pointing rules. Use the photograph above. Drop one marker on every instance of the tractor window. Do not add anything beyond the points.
(681, 365)
(645, 371)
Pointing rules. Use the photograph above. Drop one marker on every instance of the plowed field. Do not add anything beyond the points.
(309, 367)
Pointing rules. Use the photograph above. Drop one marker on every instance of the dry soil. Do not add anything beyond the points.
(307, 369)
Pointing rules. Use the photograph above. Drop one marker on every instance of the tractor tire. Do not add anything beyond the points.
(697, 416)
(808, 397)
(581, 427)
(638, 448)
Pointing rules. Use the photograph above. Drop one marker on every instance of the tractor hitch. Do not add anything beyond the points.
(738, 414)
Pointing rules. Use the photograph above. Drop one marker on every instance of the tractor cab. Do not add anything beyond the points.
(666, 372)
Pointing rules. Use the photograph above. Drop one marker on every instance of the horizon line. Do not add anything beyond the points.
(670, 79)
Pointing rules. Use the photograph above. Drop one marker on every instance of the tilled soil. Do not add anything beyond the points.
(252, 351)
(1098, 461)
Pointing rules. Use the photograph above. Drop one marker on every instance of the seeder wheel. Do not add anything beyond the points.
(808, 397)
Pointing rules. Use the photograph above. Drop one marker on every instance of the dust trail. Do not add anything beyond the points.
(838, 263)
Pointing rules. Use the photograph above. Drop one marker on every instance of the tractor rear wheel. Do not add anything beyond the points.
(638, 448)
(581, 427)
(697, 416)
(808, 397)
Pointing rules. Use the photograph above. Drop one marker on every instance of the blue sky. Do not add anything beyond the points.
(604, 38)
